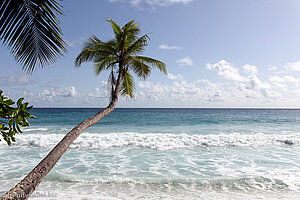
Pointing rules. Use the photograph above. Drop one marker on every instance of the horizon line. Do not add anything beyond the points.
(283, 108)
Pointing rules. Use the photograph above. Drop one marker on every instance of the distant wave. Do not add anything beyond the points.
(34, 129)
(242, 184)
(160, 141)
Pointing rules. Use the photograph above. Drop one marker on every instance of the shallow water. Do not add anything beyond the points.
(162, 154)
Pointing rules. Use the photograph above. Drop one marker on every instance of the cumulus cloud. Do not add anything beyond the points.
(277, 79)
(284, 82)
(180, 91)
(246, 86)
(58, 96)
(59, 93)
(185, 61)
(250, 69)
(226, 70)
(295, 66)
(175, 77)
(168, 47)
(263, 88)
(96, 94)
(284, 79)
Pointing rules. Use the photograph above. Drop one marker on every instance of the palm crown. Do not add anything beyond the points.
(120, 55)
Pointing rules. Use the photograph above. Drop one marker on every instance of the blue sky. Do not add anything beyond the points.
(228, 53)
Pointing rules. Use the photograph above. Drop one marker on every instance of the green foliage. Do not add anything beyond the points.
(30, 28)
(127, 87)
(13, 118)
(120, 55)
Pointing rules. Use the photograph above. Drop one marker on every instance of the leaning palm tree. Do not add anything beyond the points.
(30, 28)
(120, 57)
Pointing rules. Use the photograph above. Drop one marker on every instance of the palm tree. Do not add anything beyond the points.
(120, 56)
(30, 28)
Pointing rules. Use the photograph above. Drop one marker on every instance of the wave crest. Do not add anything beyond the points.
(160, 141)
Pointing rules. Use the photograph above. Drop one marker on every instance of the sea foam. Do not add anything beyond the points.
(161, 141)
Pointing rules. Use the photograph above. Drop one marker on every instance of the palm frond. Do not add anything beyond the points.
(153, 63)
(95, 50)
(140, 68)
(91, 42)
(111, 84)
(104, 63)
(131, 28)
(95, 43)
(138, 46)
(130, 31)
(30, 28)
(117, 30)
(128, 86)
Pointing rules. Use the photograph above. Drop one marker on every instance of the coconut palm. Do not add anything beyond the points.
(30, 28)
(120, 57)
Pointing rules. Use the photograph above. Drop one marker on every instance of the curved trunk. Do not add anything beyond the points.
(26, 187)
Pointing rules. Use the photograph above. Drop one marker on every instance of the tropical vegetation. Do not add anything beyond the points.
(13, 118)
(30, 29)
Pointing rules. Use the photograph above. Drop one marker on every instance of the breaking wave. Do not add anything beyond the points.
(161, 141)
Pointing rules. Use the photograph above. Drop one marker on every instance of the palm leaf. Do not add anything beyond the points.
(130, 31)
(139, 67)
(30, 28)
(95, 50)
(153, 62)
(128, 86)
(138, 46)
(105, 63)
(117, 30)
(111, 84)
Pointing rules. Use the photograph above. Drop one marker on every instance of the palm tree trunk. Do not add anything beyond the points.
(27, 186)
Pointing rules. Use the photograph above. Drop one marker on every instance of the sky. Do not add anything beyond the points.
(219, 53)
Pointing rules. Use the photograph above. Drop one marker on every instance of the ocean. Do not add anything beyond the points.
(162, 154)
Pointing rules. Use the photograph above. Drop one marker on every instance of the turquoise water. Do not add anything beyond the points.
(162, 154)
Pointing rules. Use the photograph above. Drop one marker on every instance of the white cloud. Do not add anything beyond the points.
(180, 91)
(291, 79)
(226, 70)
(255, 83)
(168, 47)
(96, 94)
(185, 61)
(284, 79)
(263, 88)
(58, 94)
(165, 2)
(154, 2)
(57, 97)
(277, 79)
(18, 79)
(175, 77)
(285, 83)
(233, 90)
(250, 69)
(250, 87)
(295, 66)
